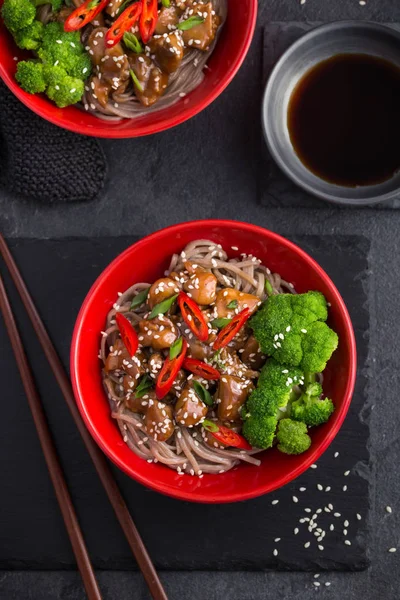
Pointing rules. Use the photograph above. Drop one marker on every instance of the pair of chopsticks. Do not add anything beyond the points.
(57, 477)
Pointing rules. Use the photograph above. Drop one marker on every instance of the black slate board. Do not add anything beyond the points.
(179, 535)
(275, 189)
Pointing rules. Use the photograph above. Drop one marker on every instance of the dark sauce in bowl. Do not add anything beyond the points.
(344, 120)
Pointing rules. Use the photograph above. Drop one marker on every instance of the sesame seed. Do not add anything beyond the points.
(316, 583)
(337, 514)
(332, 527)
(345, 488)
(275, 552)
(314, 466)
(303, 330)
(392, 550)
(389, 509)
(295, 499)
(327, 583)
(307, 510)
(302, 489)
(296, 530)
(347, 542)
(277, 539)
(328, 488)
(320, 547)
(336, 454)
(274, 502)
(358, 516)
(346, 523)
(346, 473)
(319, 486)
(307, 544)
(316, 575)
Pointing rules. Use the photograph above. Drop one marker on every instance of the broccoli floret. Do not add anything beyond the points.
(267, 403)
(17, 14)
(64, 49)
(30, 76)
(29, 37)
(291, 328)
(68, 90)
(292, 437)
(310, 409)
(259, 431)
(55, 4)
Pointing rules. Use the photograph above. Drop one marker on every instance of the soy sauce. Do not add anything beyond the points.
(344, 119)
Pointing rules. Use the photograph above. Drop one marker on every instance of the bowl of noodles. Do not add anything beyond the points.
(180, 376)
(144, 82)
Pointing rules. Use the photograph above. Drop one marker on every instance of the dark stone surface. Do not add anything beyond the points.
(227, 189)
(204, 536)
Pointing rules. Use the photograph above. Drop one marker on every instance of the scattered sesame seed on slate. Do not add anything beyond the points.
(296, 530)
(314, 466)
(320, 547)
(277, 539)
(316, 575)
(320, 487)
(346, 523)
(358, 516)
(345, 488)
(336, 455)
(295, 499)
(347, 542)
(274, 501)
(346, 473)
(307, 544)
(389, 509)
(275, 552)
(331, 527)
(328, 488)
(302, 489)
(327, 583)
(392, 550)
(316, 583)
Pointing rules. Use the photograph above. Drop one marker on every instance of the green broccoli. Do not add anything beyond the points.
(268, 402)
(310, 409)
(65, 90)
(291, 328)
(55, 4)
(18, 14)
(64, 49)
(292, 437)
(259, 431)
(30, 76)
(29, 37)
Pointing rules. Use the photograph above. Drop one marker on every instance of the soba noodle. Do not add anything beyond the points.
(185, 451)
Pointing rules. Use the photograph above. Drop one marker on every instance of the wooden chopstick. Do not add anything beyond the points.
(114, 495)
(50, 453)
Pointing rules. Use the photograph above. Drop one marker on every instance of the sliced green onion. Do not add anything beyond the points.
(219, 323)
(93, 4)
(123, 6)
(210, 426)
(202, 393)
(139, 299)
(144, 386)
(268, 288)
(162, 307)
(175, 348)
(136, 81)
(132, 43)
(232, 304)
(166, 3)
(190, 22)
(216, 358)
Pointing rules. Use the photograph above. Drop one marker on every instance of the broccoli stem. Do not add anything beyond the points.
(309, 378)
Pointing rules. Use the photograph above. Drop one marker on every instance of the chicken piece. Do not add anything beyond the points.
(113, 7)
(100, 89)
(119, 359)
(161, 290)
(151, 79)
(251, 354)
(231, 395)
(111, 63)
(129, 384)
(156, 361)
(167, 19)
(189, 409)
(159, 420)
(167, 50)
(230, 364)
(237, 300)
(202, 287)
(200, 36)
(159, 333)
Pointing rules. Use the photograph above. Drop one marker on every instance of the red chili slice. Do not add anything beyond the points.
(128, 334)
(228, 332)
(228, 437)
(84, 14)
(198, 367)
(123, 24)
(148, 19)
(193, 316)
(169, 371)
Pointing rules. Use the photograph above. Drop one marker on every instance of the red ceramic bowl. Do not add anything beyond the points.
(224, 63)
(146, 261)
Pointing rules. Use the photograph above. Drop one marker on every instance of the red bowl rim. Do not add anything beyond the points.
(286, 478)
(184, 115)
